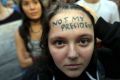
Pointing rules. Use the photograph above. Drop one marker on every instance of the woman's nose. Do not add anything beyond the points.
(72, 53)
(32, 6)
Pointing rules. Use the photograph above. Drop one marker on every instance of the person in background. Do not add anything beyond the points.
(28, 35)
(103, 9)
(9, 22)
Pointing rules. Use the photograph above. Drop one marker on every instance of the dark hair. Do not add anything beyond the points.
(46, 27)
(24, 28)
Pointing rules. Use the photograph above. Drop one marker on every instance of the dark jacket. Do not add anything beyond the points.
(110, 36)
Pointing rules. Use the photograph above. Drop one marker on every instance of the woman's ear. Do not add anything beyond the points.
(92, 12)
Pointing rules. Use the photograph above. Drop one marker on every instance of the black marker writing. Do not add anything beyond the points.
(78, 18)
(58, 22)
(65, 20)
(75, 25)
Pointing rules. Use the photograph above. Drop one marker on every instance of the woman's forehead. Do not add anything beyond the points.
(70, 19)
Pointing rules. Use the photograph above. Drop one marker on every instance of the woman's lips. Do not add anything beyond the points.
(73, 66)
(34, 13)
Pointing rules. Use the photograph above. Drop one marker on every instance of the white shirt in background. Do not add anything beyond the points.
(108, 10)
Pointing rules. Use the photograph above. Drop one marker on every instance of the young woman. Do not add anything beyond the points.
(70, 43)
(68, 40)
(29, 33)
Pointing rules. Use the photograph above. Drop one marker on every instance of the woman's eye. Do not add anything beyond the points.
(59, 43)
(36, 1)
(84, 42)
(25, 3)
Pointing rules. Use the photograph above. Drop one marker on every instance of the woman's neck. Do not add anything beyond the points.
(36, 27)
(92, 1)
(35, 23)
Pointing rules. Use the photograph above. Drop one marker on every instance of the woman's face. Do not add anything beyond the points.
(71, 41)
(32, 8)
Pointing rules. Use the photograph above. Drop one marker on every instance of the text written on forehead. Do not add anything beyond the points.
(76, 22)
